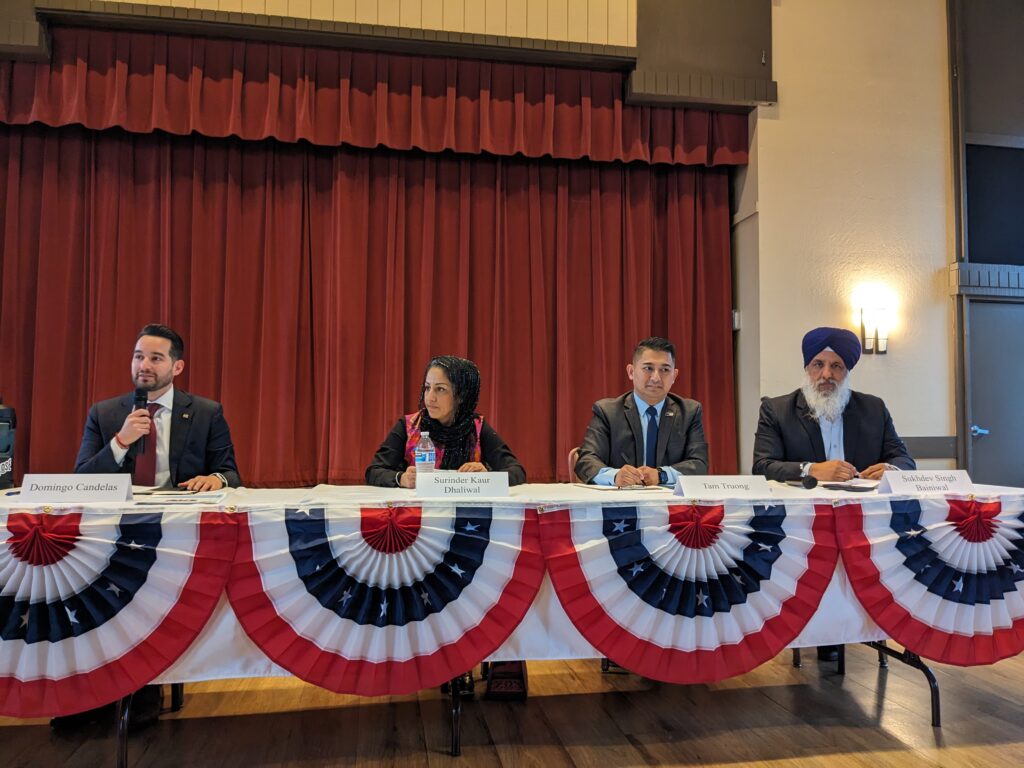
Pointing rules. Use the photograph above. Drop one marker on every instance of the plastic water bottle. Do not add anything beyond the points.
(426, 454)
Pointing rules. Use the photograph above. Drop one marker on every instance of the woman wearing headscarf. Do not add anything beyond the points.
(464, 442)
(447, 410)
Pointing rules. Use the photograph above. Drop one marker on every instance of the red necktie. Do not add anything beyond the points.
(145, 463)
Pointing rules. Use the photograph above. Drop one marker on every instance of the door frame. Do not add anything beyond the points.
(968, 282)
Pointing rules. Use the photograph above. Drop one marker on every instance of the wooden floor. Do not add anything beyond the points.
(576, 716)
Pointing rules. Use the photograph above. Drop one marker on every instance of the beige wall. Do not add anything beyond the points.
(852, 185)
(601, 22)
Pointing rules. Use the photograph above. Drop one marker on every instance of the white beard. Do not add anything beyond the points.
(828, 404)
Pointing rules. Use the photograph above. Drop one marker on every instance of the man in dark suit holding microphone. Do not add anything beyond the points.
(162, 436)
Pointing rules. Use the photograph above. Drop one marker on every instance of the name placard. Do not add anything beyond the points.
(55, 489)
(448, 485)
(927, 481)
(723, 487)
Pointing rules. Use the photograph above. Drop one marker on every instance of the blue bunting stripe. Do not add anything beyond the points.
(36, 619)
(337, 590)
(946, 580)
(693, 597)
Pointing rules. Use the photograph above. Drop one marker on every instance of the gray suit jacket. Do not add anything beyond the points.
(200, 439)
(615, 437)
(788, 435)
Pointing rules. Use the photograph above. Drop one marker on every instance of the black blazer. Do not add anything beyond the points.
(389, 460)
(788, 435)
(615, 437)
(200, 439)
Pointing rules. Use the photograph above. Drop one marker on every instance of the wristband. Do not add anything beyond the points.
(118, 441)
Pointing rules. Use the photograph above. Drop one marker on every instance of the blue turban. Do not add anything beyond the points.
(841, 341)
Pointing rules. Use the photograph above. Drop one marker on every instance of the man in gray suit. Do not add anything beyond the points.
(187, 441)
(648, 436)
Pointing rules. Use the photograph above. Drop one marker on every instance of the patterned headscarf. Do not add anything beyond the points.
(459, 437)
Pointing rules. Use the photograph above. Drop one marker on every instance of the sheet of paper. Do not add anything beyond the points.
(167, 496)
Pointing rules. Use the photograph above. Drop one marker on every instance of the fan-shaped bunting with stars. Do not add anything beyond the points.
(942, 576)
(685, 592)
(384, 599)
(95, 603)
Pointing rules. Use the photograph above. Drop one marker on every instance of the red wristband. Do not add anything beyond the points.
(118, 441)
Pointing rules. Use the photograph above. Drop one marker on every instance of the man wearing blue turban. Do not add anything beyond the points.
(825, 429)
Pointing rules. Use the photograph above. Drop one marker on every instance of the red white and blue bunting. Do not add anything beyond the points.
(685, 593)
(95, 604)
(942, 576)
(384, 599)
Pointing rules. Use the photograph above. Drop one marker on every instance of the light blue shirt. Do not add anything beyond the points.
(832, 437)
(606, 475)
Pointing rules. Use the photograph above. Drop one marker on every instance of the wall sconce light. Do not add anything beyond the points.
(874, 330)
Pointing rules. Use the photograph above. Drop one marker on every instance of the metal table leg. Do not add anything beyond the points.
(883, 660)
(122, 714)
(458, 688)
(455, 699)
(610, 667)
(911, 659)
(177, 696)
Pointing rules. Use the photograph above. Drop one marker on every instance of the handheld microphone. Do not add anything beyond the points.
(808, 482)
(141, 399)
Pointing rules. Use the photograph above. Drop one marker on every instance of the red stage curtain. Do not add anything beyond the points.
(143, 82)
(312, 285)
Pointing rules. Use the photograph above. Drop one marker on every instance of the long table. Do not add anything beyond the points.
(372, 591)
